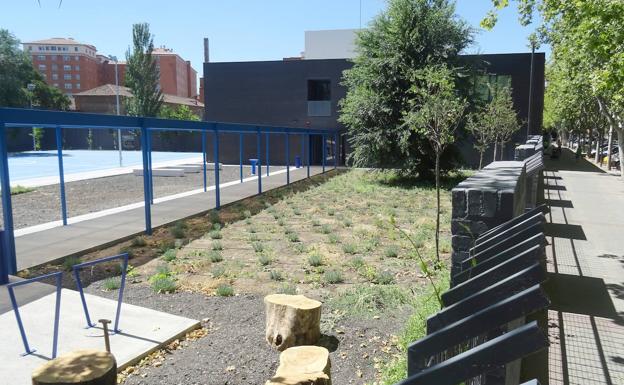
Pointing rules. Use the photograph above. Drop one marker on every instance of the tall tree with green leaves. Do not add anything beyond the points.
(16, 72)
(408, 36)
(142, 75)
(435, 110)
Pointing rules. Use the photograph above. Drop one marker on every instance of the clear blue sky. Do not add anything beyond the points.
(239, 30)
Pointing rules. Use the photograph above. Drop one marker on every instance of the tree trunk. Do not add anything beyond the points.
(480, 160)
(620, 134)
(80, 367)
(609, 145)
(598, 158)
(303, 365)
(292, 320)
(437, 182)
(495, 145)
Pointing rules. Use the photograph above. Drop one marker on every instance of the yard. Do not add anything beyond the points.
(338, 242)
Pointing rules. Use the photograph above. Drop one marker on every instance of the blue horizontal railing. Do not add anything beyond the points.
(58, 120)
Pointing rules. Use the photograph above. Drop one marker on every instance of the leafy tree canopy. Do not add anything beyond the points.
(16, 72)
(408, 36)
(142, 75)
(180, 113)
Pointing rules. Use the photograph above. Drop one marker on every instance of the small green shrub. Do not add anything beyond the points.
(215, 234)
(333, 276)
(112, 283)
(358, 262)
(347, 222)
(281, 222)
(248, 221)
(247, 214)
(276, 275)
(315, 259)
(292, 237)
(216, 226)
(170, 255)
(16, 190)
(349, 248)
(300, 248)
(296, 211)
(264, 259)
(288, 230)
(166, 245)
(316, 222)
(217, 271)
(224, 290)
(331, 212)
(258, 247)
(252, 229)
(287, 288)
(69, 262)
(384, 278)
(215, 256)
(254, 238)
(326, 229)
(391, 251)
(138, 241)
(216, 245)
(178, 231)
(333, 238)
(163, 285)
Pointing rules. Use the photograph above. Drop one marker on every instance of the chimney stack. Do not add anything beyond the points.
(206, 51)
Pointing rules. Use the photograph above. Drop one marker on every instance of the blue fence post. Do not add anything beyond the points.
(57, 314)
(7, 208)
(258, 145)
(203, 139)
(240, 155)
(267, 153)
(216, 167)
(59, 152)
(323, 150)
(335, 150)
(4, 273)
(122, 286)
(287, 158)
(308, 154)
(149, 166)
(146, 182)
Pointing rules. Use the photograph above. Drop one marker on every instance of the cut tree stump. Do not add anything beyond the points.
(80, 367)
(303, 365)
(292, 320)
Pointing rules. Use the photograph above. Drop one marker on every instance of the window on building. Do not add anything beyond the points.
(54, 76)
(40, 57)
(77, 76)
(77, 68)
(485, 86)
(68, 86)
(56, 85)
(67, 67)
(42, 67)
(30, 48)
(66, 58)
(53, 57)
(54, 67)
(67, 76)
(319, 90)
(76, 58)
(77, 86)
(52, 48)
(75, 49)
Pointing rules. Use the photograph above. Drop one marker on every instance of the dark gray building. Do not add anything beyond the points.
(305, 93)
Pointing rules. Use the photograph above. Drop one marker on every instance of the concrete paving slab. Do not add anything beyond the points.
(142, 331)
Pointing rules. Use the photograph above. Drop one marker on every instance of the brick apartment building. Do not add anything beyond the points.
(74, 67)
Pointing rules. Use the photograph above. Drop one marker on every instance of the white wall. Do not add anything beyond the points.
(330, 44)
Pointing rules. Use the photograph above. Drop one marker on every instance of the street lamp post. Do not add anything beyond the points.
(31, 88)
(530, 90)
(119, 142)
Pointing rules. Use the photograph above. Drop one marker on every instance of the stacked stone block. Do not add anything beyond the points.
(487, 199)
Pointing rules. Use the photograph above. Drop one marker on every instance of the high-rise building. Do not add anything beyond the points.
(74, 67)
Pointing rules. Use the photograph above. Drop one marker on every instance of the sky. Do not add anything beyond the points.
(239, 30)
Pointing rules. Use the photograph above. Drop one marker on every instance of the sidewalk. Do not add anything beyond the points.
(586, 258)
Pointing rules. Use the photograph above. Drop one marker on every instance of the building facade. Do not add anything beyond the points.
(74, 67)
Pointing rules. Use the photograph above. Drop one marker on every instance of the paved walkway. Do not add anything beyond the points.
(586, 256)
(52, 244)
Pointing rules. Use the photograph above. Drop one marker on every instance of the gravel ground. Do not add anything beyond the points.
(87, 196)
(235, 352)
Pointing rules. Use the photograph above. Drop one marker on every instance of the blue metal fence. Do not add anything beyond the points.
(27, 118)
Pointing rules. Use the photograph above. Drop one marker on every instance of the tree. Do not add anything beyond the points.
(435, 111)
(182, 112)
(16, 72)
(408, 36)
(142, 75)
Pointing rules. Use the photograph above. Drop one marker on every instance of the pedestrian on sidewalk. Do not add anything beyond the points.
(578, 152)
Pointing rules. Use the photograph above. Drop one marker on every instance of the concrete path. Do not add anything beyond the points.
(55, 243)
(142, 331)
(586, 258)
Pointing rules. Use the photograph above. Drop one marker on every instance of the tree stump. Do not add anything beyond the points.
(292, 320)
(80, 367)
(303, 365)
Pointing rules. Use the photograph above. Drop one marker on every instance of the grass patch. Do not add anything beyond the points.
(372, 299)
(326, 229)
(163, 281)
(287, 288)
(349, 248)
(258, 247)
(215, 256)
(216, 245)
(391, 251)
(276, 275)
(178, 231)
(218, 271)
(215, 234)
(138, 241)
(170, 255)
(315, 259)
(300, 248)
(333, 276)
(358, 262)
(383, 278)
(293, 237)
(16, 190)
(224, 290)
(112, 283)
(264, 259)
(69, 263)
(333, 238)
